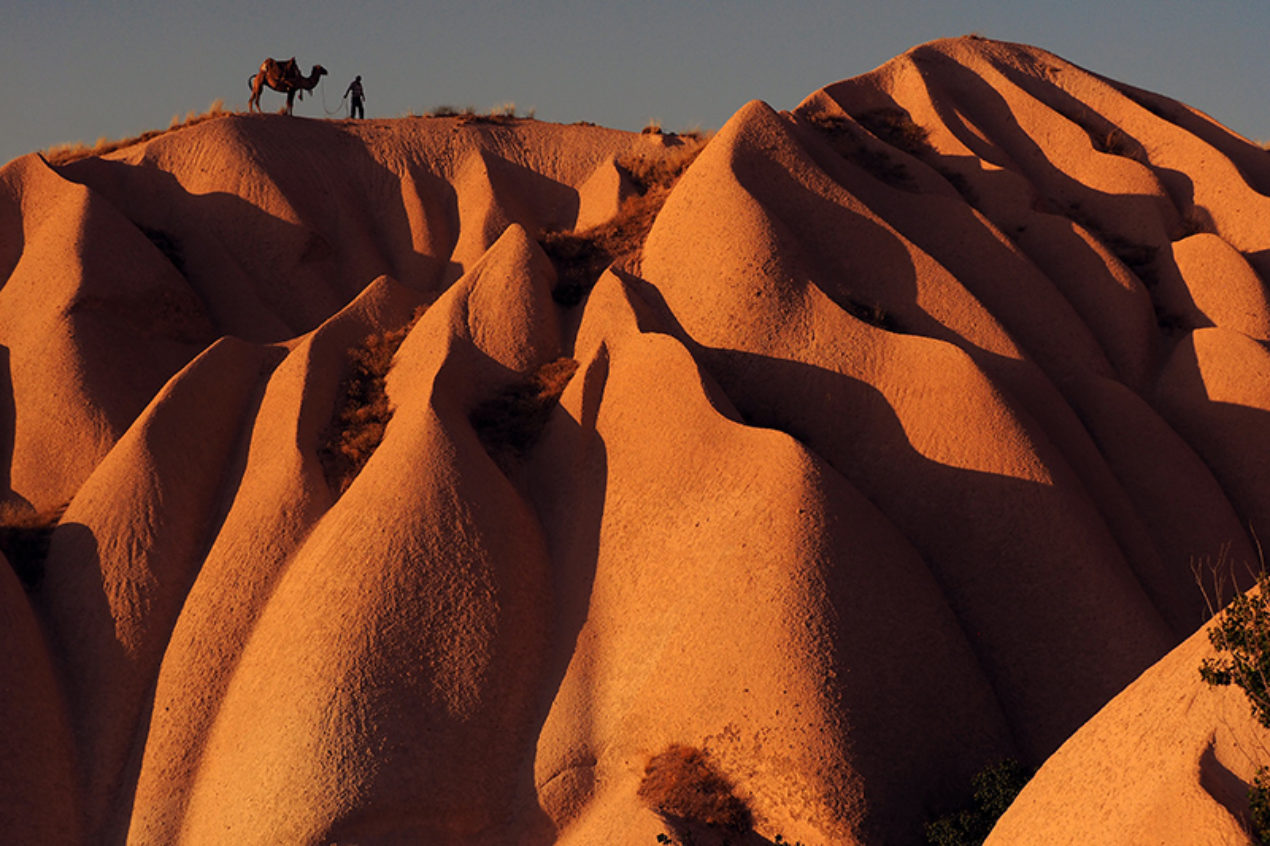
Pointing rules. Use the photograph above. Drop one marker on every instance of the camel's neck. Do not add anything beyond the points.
(310, 81)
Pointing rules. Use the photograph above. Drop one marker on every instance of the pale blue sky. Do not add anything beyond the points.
(75, 71)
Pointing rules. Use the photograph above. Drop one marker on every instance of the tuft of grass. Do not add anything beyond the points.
(509, 423)
(995, 787)
(502, 114)
(580, 257)
(682, 786)
(653, 127)
(65, 153)
(24, 540)
(362, 410)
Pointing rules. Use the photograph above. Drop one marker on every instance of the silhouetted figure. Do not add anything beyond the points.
(355, 88)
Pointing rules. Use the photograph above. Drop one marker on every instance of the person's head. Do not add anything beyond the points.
(359, 78)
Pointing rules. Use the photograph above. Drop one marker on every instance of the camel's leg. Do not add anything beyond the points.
(290, 100)
(253, 103)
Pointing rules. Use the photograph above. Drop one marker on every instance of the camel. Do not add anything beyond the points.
(284, 77)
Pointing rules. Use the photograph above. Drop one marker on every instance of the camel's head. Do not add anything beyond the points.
(318, 70)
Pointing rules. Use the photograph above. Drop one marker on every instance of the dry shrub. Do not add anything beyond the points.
(65, 153)
(897, 128)
(681, 786)
(362, 410)
(24, 540)
(510, 423)
(580, 257)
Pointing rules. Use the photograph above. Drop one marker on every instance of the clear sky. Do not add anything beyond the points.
(76, 71)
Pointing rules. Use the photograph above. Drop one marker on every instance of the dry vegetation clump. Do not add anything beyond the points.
(682, 786)
(897, 128)
(509, 423)
(580, 257)
(502, 114)
(66, 153)
(850, 143)
(362, 410)
(894, 127)
(1116, 143)
(24, 540)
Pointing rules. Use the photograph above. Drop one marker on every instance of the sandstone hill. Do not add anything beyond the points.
(883, 455)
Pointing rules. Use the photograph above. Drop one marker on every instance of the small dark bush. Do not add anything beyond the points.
(1115, 142)
(1259, 805)
(682, 786)
(1242, 636)
(509, 423)
(995, 788)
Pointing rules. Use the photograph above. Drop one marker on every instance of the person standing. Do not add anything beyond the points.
(355, 89)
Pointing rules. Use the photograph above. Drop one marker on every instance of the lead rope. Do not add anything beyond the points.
(329, 113)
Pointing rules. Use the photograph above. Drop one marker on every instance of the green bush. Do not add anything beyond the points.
(1242, 639)
(995, 788)
(1259, 805)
